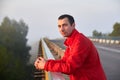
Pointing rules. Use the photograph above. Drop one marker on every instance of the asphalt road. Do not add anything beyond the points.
(110, 59)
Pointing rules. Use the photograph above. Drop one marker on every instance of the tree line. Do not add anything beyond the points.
(14, 51)
(114, 33)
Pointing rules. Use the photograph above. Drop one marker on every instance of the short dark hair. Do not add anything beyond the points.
(70, 18)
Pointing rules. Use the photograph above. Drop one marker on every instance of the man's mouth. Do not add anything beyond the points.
(63, 33)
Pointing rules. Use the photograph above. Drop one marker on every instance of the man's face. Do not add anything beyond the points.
(65, 28)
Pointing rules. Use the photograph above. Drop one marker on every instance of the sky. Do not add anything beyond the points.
(41, 15)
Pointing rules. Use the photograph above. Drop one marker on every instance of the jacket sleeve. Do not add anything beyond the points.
(78, 54)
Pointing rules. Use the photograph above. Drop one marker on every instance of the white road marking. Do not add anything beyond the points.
(109, 49)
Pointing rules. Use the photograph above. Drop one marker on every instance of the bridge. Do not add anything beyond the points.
(54, 49)
(49, 50)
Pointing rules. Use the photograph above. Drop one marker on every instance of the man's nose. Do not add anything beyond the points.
(62, 28)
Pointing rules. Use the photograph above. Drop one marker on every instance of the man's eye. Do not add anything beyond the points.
(59, 26)
(64, 24)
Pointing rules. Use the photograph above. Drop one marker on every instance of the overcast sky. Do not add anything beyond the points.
(41, 15)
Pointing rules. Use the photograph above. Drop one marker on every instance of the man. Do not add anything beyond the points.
(80, 61)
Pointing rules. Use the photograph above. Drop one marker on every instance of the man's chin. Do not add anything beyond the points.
(65, 36)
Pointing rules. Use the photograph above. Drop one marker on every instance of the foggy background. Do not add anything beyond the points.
(41, 15)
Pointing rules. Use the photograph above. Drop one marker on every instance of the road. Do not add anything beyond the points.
(109, 56)
(110, 59)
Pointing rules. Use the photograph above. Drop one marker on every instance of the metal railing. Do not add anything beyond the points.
(48, 55)
(108, 40)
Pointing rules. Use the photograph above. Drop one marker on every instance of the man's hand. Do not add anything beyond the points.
(40, 63)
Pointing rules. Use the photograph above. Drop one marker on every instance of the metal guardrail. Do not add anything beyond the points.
(109, 40)
(48, 55)
(58, 52)
(106, 37)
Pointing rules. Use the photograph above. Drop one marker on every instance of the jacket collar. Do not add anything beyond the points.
(69, 40)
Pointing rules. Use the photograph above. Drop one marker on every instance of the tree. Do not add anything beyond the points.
(116, 30)
(96, 33)
(14, 51)
(14, 33)
(10, 67)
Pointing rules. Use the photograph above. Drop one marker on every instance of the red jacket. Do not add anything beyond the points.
(80, 61)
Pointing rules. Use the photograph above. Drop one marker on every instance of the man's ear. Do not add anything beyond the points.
(73, 25)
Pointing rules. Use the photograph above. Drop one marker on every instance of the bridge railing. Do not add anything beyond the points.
(108, 40)
(48, 55)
